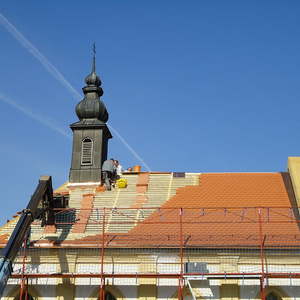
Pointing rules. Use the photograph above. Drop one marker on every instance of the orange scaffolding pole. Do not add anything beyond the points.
(102, 278)
(149, 275)
(261, 239)
(180, 279)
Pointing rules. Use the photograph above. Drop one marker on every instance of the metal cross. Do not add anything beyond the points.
(94, 49)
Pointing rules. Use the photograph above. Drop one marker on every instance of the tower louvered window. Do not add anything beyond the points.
(87, 152)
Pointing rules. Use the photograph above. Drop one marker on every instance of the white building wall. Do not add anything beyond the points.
(250, 291)
(129, 292)
(83, 292)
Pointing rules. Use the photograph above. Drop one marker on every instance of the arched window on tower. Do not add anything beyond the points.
(87, 152)
(272, 296)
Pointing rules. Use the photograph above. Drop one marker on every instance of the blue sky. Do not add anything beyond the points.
(197, 86)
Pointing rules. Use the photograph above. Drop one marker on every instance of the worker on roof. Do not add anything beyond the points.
(108, 172)
(119, 169)
(120, 182)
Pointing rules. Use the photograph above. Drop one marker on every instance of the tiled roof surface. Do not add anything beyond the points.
(218, 209)
(234, 190)
(234, 225)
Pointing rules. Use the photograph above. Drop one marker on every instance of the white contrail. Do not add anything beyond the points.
(55, 73)
(37, 54)
(34, 116)
(129, 148)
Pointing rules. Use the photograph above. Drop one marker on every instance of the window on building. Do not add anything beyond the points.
(87, 152)
(272, 296)
(109, 296)
(29, 297)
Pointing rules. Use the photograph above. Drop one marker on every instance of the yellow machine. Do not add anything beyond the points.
(122, 183)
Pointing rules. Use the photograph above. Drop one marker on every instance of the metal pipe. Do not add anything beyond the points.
(262, 279)
(180, 279)
(102, 279)
(148, 275)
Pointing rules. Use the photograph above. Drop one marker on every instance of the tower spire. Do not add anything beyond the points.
(94, 58)
(91, 107)
(93, 80)
(90, 133)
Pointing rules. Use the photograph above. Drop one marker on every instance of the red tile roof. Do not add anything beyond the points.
(234, 190)
(224, 210)
(234, 225)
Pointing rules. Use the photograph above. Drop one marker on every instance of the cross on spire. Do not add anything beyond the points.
(94, 49)
(94, 58)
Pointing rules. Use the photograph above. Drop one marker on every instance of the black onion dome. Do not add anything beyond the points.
(91, 107)
(93, 79)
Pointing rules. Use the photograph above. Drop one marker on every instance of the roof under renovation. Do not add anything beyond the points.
(212, 206)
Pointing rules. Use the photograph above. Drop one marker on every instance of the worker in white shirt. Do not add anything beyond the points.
(119, 168)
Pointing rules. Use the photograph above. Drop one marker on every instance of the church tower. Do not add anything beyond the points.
(90, 133)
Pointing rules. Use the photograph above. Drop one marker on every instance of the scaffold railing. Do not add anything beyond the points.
(181, 244)
(201, 227)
